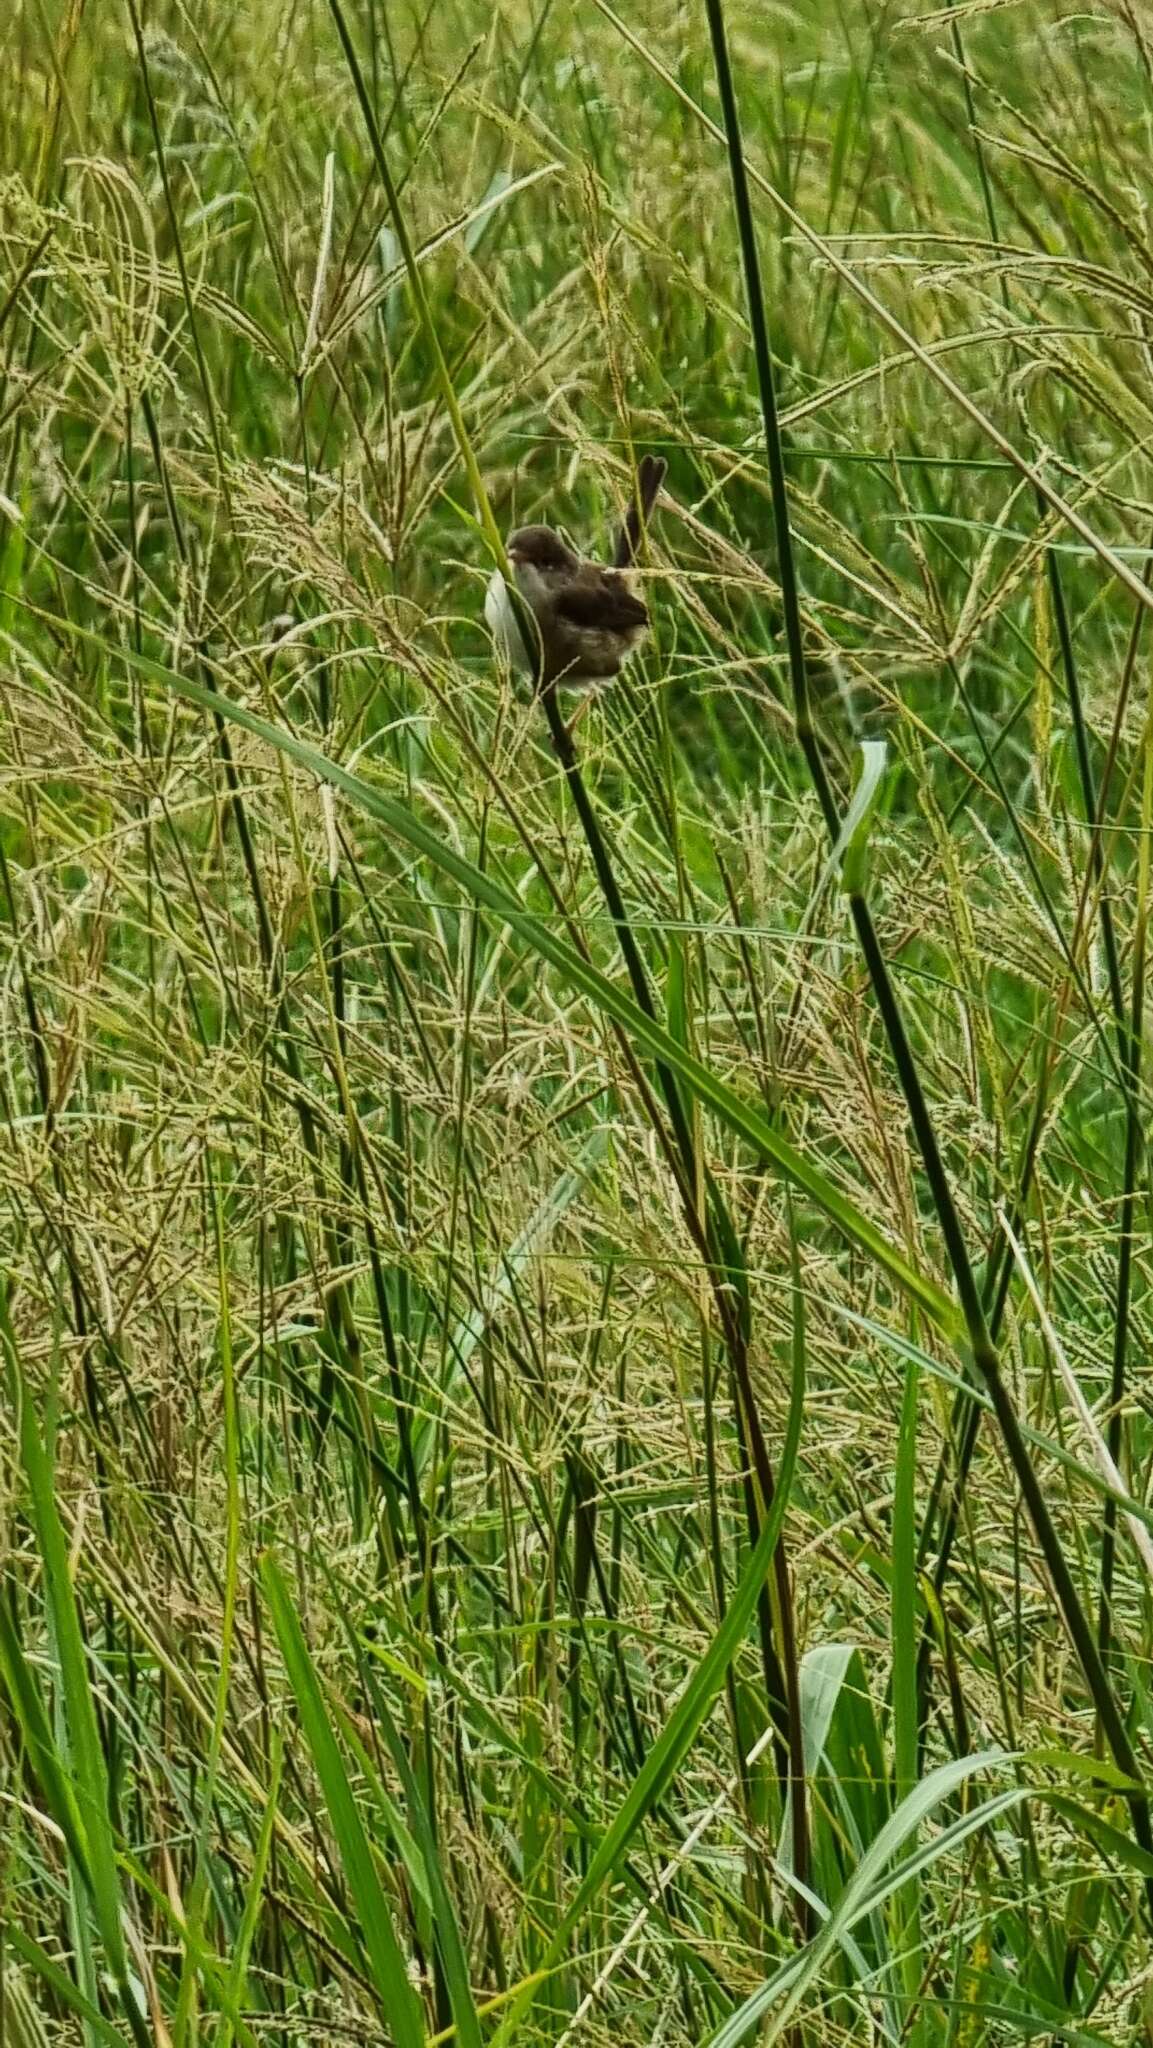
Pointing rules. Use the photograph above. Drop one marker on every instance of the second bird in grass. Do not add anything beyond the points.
(588, 617)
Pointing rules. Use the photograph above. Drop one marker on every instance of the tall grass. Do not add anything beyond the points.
(542, 1270)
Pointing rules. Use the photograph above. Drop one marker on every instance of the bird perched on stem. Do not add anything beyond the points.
(587, 619)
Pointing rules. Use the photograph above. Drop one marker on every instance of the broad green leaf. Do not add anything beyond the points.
(853, 838)
(824, 1671)
(1101, 1770)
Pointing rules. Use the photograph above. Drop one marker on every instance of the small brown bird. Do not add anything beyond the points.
(588, 618)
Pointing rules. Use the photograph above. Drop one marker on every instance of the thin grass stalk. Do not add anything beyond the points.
(966, 1416)
(38, 280)
(428, 325)
(1128, 1045)
(83, 1321)
(74, 1774)
(197, 1901)
(918, 353)
(724, 1261)
(783, 1670)
(987, 1362)
(903, 1645)
(787, 1685)
(984, 1354)
(178, 247)
(955, 1459)
(685, 1168)
(338, 1318)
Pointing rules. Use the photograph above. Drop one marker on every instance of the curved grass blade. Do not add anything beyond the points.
(28, 1712)
(84, 1769)
(399, 2002)
(422, 1861)
(868, 1887)
(60, 1984)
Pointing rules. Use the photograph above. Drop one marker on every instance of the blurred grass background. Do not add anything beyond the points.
(404, 1346)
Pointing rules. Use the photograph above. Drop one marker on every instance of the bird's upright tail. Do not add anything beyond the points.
(651, 473)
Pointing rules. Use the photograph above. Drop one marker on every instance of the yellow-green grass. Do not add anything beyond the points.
(539, 1501)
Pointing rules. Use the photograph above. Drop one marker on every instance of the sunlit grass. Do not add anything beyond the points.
(505, 1538)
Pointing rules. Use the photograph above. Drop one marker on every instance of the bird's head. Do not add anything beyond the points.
(542, 549)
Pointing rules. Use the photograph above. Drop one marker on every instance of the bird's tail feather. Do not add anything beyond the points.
(651, 473)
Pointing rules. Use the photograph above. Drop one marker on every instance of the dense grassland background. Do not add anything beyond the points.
(413, 1347)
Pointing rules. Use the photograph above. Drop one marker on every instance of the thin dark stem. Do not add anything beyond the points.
(983, 1351)
(1127, 1028)
(717, 1240)
(988, 1365)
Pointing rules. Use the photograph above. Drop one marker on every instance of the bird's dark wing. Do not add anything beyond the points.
(605, 605)
(651, 472)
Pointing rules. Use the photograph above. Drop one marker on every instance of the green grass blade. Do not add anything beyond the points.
(253, 1900)
(61, 1986)
(425, 1871)
(399, 2002)
(867, 1889)
(903, 1637)
(28, 1711)
(86, 1768)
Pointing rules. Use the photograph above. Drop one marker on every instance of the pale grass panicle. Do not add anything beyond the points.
(568, 1335)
